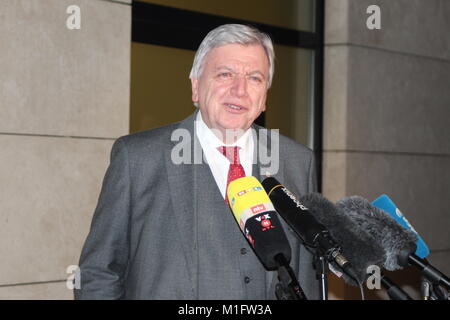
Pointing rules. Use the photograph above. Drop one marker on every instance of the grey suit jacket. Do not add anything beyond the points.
(161, 230)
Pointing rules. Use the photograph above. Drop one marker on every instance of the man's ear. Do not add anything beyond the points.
(194, 85)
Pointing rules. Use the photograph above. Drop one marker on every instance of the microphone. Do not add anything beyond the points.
(311, 232)
(384, 203)
(357, 246)
(258, 220)
(398, 243)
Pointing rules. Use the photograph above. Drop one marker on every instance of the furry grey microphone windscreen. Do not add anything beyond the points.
(397, 242)
(356, 245)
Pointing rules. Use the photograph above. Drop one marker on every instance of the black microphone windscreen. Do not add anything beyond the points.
(266, 235)
(397, 242)
(356, 245)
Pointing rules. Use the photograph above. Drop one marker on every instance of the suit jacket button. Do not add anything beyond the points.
(247, 280)
(243, 251)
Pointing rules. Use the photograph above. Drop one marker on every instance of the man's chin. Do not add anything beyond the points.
(235, 125)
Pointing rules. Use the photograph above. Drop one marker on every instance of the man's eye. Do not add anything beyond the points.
(225, 75)
(256, 79)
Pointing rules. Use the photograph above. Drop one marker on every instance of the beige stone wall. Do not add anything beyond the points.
(64, 98)
(387, 115)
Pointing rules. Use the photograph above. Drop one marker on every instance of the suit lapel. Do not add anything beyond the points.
(182, 185)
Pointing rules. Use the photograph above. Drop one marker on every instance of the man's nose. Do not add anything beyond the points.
(239, 87)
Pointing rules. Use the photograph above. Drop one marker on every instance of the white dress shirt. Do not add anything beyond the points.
(218, 163)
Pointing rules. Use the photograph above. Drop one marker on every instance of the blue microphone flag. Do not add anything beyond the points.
(384, 203)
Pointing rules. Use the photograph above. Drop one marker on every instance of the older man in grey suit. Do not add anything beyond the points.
(162, 229)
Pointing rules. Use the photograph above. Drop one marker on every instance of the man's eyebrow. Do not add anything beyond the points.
(232, 70)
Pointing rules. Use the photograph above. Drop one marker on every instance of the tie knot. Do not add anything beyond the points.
(232, 153)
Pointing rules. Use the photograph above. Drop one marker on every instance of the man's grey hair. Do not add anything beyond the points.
(230, 34)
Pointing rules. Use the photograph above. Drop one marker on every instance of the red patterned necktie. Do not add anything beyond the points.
(236, 170)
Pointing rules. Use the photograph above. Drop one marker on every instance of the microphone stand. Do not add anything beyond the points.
(321, 266)
(288, 287)
(432, 290)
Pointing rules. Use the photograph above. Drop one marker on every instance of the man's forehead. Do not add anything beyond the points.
(234, 54)
(238, 49)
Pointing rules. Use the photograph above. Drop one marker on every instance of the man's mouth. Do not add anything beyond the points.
(234, 107)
